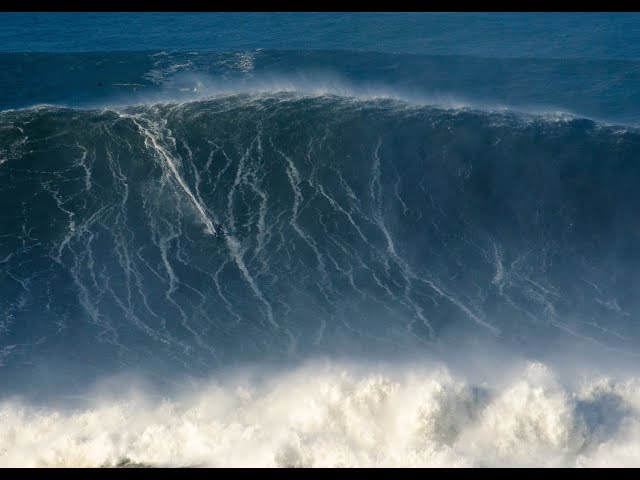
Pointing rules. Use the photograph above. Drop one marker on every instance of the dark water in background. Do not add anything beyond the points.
(516, 35)
(182, 193)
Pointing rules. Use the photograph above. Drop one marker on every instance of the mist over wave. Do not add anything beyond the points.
(600, 89)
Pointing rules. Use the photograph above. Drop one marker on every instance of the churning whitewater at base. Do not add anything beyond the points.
(331, 415)
(315, 258)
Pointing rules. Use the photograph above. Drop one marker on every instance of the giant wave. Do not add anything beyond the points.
(178, 236)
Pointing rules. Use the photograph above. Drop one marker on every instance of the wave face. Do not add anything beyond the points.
(186, 237)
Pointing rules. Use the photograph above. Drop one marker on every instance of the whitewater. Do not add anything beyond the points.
(335, 415)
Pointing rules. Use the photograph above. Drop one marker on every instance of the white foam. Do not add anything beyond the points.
(342, 415)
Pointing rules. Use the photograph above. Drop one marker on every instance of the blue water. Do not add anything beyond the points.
(516, 35)
(184, 195)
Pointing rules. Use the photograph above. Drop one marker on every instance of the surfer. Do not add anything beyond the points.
(219, 229)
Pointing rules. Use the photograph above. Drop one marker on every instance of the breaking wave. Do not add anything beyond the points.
(202, 239)
(327, 414)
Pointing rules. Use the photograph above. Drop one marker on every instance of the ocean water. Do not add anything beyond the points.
(295, 239)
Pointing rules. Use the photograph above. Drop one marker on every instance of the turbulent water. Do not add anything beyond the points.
(336, 415)
(251, 259)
